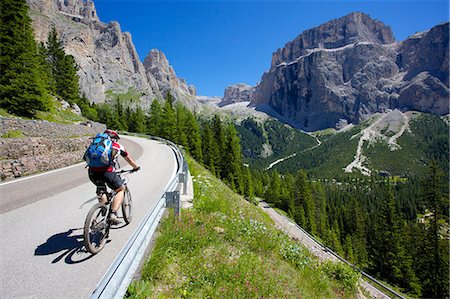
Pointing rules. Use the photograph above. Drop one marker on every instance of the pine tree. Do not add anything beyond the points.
(193, 136)
(232, 170)
(389, 258)
(274, 189)
(219, 136)
(181, 129)
(109, 115)
(358, 234)
(88, 110)
(21, 88)
(434, 273)
(45, 69)
(336, 238)
(64, 69)
(137, 121)
(169, 120)
(348, 248)
(303, 197)
(320, 209)
(155, 119)
(123, 118)
(287, 193)
(210, 150)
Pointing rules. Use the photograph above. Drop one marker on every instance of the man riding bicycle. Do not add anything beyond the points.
(101, 176)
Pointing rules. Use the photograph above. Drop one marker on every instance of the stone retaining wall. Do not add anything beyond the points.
(38, 128)
(47, 146)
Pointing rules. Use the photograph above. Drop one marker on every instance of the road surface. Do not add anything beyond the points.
(41, 221)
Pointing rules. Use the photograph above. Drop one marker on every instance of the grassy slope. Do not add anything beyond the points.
(226, 247)
(283, 140)
(56, 114)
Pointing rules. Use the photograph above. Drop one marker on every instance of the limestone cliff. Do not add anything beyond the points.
(350, 68)
(106, 56)
(237, 93)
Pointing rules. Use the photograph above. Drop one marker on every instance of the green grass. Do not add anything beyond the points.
(57, 116)
(13, 134)
(225, 247)
(53, 115)
(4, 113)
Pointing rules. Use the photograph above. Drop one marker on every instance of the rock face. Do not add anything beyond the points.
(237, 93)
(157, 67)
(106, 56)
(350, 68)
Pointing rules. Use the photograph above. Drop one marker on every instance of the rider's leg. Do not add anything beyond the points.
(118, 198)
(101, 198)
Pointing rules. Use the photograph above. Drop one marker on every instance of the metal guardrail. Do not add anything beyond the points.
(327, 249)
(114, 283)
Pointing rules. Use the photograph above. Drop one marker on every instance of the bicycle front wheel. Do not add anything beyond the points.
(96, 228)
(127, 206)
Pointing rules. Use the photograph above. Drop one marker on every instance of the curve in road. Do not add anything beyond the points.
(42, 253)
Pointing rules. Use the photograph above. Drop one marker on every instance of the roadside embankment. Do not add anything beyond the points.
(31, 146)
(225, 247)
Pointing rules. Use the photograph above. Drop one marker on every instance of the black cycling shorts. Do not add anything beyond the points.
(100, 179)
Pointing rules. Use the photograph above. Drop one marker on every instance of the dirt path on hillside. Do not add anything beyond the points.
(295, 154)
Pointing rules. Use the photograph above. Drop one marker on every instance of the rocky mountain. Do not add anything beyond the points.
(236, 93)
(350, 68)
(157, 66)
(106, 56)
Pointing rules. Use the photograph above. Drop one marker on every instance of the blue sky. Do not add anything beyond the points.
(213, 44)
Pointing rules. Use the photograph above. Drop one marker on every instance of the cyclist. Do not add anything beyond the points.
(101, 176)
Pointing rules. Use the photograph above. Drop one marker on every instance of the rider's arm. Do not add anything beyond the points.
(127, 157)
(131, 162)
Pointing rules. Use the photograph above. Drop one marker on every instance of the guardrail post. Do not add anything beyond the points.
(173, 201)
(183, 179)
(186, 173)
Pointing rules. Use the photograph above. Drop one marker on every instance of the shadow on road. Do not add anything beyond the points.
(71, 246)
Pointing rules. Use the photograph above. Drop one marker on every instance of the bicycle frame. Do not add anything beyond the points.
(104, 211)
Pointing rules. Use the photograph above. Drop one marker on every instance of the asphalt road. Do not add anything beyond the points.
(41, 225)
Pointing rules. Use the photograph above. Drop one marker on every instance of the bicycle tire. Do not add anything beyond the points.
(127, 206)
(96, 228)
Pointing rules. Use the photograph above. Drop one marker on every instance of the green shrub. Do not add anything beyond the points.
(139, 289)
(342, 273)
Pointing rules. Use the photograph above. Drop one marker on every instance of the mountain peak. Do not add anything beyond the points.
(79, 9)
(349, 29)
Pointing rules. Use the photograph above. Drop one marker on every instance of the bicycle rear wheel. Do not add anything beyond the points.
(96, 228)
(127, 206)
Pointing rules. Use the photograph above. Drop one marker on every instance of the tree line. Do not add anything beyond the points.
(395, 230)
(211, 141)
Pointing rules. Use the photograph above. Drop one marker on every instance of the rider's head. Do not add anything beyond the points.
(112, 134)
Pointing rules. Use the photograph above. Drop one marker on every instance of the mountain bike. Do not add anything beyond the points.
(97, 224)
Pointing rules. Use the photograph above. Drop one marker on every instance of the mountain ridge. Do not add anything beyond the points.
(349, 68)
(106, 56)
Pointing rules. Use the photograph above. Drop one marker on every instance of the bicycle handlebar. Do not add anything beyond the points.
(129, 170)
